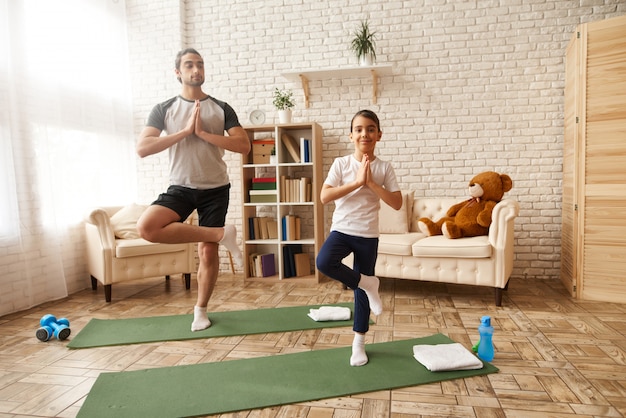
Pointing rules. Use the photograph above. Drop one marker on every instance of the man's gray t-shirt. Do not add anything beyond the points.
(195, 163)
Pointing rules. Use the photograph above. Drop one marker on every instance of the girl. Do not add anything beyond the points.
(356, 183)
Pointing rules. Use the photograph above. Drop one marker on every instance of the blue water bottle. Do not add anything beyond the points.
(485, 346)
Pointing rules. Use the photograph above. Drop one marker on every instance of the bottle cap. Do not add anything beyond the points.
(486, 321)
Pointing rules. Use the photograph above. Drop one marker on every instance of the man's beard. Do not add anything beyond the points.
(195, 83)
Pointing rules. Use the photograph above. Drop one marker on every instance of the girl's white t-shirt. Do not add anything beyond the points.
(357, 212)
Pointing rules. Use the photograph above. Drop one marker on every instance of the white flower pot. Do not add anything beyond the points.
(284, 116)
(366, 60)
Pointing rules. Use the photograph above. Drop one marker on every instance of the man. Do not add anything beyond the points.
(194, 124)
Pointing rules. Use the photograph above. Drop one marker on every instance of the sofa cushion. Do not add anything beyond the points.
(139, 247)
(398, 244)
(431, 208)
(391, 221)
(124, 221)
(440, 246)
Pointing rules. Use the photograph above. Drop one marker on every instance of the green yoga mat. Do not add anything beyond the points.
(236, 385)
(107, 332)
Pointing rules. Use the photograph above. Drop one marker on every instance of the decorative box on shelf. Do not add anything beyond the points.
(262, 150)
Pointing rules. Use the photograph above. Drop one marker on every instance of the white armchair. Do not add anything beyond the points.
(116, 254)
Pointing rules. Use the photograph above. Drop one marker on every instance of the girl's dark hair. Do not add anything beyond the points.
(366, 114)
(180, 54)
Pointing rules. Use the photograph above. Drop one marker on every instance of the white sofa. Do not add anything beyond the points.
(406, 253)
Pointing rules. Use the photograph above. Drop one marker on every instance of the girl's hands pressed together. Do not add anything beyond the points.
(364, 174)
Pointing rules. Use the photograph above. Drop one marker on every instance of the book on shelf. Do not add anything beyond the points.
(296, 189)
(305, 150)
(268, 265)
(272, 229)
(289, 263)
(291, 228)
(262, 265)
(263, 227)
(251, 232)
(292, 147)
(305, 189)
(302, 263)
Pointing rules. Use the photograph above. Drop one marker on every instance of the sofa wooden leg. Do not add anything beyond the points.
(94, 283)
(107, 292)
(187, 281)
(498, 296)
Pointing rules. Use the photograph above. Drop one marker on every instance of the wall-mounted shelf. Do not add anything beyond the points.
(304, 76)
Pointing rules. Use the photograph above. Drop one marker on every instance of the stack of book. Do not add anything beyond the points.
(295, 190)
(263, 190)
(262, 265)
(262, 227)
(295, 262)
(299, 152)
(305, 150)
(291, 228)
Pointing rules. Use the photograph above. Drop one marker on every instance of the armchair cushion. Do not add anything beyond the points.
(124, 221)
(138, 247)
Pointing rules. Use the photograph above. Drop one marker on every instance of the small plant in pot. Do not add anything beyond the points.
(283, 102)
(273, 157)
(364, 43)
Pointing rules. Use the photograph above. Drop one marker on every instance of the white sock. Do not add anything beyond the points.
(229, 240)
(200, 319)
(358, 358)
(370, 285)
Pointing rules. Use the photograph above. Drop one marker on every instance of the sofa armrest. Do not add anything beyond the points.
(100, 243)
(502, 238)
(98, 227)
(502, 218)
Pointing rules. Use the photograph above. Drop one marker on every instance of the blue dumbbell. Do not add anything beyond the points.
(51, 327)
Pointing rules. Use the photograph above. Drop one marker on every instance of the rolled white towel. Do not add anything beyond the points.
(330, 313)
(443, 357)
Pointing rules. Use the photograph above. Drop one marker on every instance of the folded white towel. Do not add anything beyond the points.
(442, 357)
(330, 313)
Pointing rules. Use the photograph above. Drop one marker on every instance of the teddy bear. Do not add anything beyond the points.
(472, 217)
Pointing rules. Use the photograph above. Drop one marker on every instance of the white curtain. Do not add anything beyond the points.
(66, 139)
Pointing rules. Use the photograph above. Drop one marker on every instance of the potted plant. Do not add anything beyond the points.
(363, 44)
(273, 158)
(283, 102)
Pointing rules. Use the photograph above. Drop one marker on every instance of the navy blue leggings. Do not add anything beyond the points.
(365, 250)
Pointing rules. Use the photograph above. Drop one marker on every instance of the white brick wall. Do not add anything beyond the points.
(476, 85)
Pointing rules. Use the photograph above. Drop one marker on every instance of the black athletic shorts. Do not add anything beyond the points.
(212, 204)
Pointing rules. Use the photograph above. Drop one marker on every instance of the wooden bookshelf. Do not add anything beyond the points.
(281, 189)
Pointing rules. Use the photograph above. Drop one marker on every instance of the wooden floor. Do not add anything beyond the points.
(558, 357)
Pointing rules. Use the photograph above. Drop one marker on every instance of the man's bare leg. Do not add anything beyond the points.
(207, 277)
(161, 224)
